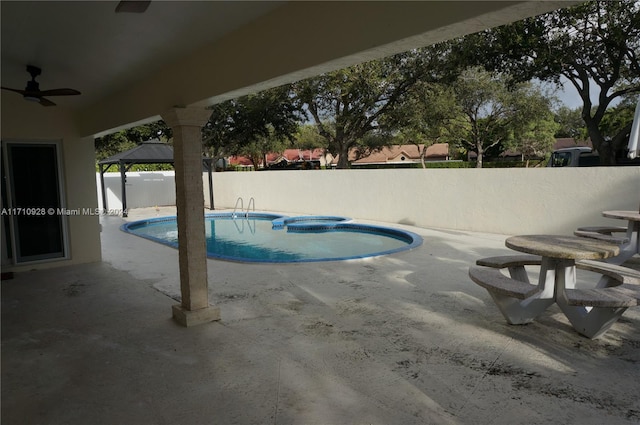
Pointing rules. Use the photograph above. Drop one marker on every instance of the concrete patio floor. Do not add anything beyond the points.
(402, 339)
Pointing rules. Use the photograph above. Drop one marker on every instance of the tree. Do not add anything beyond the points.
(258, 148)
(535, 137)
(307, 137)
(111, 144)
(250, 124)
(570, 123)
(430, 115)
(617, 117)
(533, 124)
(597, 42)
(493, 116)
(353, 107)
(124, 140)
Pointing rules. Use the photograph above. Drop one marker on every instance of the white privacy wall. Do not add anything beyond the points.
(504, 201)
(144, 189)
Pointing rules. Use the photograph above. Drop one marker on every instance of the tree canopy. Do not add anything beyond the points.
(597, 42)
(252, 125)
(353, 107)
(488, 114)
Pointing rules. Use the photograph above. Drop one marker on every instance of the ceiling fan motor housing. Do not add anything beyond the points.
(34, 71)
(32, 86)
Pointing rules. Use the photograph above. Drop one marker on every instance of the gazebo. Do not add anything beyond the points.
(150, 152)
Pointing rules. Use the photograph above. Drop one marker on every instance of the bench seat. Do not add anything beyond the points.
(504, 261)
(605, 230)
(625, 295)
(603, 233)
(622, 274)
(618, 240)
(494, 281)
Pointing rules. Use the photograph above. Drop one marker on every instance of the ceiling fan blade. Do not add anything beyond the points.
(59, 92)
(132, 6)
(46, 102)
(22, 92)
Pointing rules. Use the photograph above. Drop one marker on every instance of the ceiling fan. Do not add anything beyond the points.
(33, 93)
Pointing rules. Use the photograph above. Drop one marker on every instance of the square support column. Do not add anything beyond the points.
(186, 124)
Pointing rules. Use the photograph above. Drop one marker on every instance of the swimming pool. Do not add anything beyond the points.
(270, 238)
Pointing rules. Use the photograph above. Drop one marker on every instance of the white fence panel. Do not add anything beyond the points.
(144, 189)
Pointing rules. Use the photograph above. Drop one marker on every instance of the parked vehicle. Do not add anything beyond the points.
(579, 156)
(583, 156)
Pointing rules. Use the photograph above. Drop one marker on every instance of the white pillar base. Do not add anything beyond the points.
(190, 318)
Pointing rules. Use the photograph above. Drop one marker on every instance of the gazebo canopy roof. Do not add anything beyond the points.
(150, 152)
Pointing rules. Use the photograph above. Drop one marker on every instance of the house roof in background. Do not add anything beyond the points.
(437, 150)
(395, 153)
(303, 154)
(240, 160)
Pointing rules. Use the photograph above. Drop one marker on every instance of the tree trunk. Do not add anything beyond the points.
(343, 158)
(480, 156)
(603, 147)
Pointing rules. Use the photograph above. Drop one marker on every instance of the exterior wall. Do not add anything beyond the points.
(24, 121)
(504, 201)
(144, 189)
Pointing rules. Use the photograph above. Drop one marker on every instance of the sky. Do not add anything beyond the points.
(568, 95)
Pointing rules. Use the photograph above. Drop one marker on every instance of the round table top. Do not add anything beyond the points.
(625, 215)
(563, 247)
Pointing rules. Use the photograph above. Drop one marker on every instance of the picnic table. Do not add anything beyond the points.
(591, 311)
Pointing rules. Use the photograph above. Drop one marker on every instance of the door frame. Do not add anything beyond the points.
(64, 226)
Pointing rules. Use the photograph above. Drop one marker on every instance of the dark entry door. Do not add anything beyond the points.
(36, 201)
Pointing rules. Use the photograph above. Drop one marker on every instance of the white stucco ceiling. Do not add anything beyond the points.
(132, 67)
(85, 45)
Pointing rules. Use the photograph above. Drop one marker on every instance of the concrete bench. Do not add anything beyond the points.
(518, 300)
(514, 263)
(603, 233)
(620, 274)
(593, 311)
(625, 295)
(504, 261)
(602, 237)
(494, 281)
(623, 289)
(605, 230)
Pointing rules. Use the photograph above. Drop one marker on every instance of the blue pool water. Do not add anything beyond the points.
(272, 238)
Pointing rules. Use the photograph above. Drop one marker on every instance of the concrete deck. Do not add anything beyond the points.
(402, 339)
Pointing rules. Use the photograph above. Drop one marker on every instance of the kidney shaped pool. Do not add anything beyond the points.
(270, 238)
